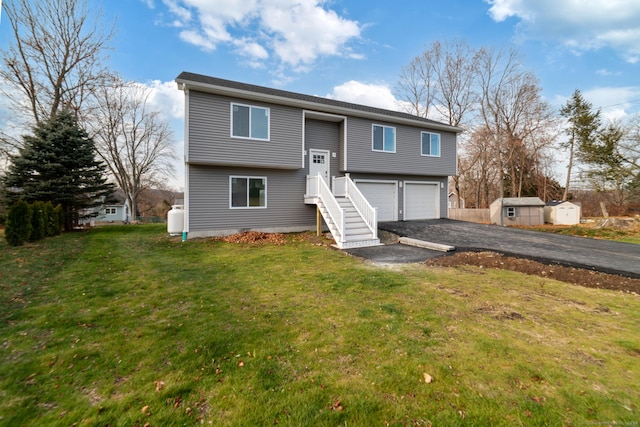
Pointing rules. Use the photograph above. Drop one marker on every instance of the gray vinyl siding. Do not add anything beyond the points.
(209, 200)
(324, 135)
(442, 181)
(210, 141)
(406, 159)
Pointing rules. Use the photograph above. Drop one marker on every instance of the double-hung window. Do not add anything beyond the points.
(248, 121)
(512, 212)
(430, 144)
(384, 138)
(247, 192)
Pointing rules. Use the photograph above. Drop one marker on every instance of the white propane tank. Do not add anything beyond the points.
(175, 220)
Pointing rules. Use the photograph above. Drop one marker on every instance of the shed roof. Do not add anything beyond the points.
(249, 91)
(520, 201)
(560, 202)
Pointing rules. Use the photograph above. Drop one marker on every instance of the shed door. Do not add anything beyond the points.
(421, 201)
(566, 215)
(381, 195)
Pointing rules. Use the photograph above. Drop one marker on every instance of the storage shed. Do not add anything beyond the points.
(517, 211)
(562, 213)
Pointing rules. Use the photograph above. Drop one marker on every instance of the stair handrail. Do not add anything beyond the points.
(368, 213)
(334, 210)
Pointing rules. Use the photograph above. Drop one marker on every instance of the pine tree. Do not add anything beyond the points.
(583, 124)
(58, 164)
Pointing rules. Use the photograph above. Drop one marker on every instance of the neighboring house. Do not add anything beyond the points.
(453, 201)
(112, 214)
(562, 213)
(517, 211)
(263, 159)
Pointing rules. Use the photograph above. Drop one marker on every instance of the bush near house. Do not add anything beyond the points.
(32, 222)
(18, 226)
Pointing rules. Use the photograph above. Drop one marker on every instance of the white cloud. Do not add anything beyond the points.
(167, 99)
(579, 25)
(615, 103)
(373, 95)
(197, 39)
(295, 32)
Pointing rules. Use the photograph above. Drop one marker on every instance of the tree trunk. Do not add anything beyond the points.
(565, 195)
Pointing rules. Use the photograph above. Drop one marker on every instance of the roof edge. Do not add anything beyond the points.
(216, 85)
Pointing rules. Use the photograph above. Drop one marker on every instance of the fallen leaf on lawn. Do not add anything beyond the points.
(427, 378)
(336, 406)
(146, 410)
(159, 385)
(241, 363)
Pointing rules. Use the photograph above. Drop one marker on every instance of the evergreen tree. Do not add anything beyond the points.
(58, 164)
(583, 124)
(37, 221)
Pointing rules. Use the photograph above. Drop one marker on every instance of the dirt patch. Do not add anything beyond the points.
(583, 277)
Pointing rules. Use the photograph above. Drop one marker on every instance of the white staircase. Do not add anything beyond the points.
(351, 219)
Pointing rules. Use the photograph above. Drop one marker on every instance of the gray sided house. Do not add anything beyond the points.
(517, 211)
(270, 160)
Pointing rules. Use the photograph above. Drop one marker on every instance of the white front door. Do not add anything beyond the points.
(319, 164)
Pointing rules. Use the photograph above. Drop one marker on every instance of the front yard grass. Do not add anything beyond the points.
(124, 326)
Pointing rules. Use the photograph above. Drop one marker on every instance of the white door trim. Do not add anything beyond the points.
(327, 163)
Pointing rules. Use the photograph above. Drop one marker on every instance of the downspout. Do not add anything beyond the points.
(185, 229)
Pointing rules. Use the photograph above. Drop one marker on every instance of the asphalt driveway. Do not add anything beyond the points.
(599, 255)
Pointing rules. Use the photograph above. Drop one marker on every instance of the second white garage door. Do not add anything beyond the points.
(382, 195)
(421, 200)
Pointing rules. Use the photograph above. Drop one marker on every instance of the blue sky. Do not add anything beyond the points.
(354, 50)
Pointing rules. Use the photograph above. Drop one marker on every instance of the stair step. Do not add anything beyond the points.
(356, 231)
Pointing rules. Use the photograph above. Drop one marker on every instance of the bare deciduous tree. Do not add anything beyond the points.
(55, 60)
(520, 122)
(133, 139)
(438, 84)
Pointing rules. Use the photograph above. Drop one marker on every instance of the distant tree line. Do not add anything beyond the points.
(512, 136)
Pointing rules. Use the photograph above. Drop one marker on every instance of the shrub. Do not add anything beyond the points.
(18, 226)
(49, 227)
(57, 220)
(37, 222)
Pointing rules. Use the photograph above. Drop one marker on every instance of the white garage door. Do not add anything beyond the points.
(381, 195)
(420, 201)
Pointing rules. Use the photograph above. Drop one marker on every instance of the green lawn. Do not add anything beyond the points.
(123, 326)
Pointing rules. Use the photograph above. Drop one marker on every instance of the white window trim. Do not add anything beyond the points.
(268, 138)
(395, 134)
(515, 212)
(231, 177)
(439, 148)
